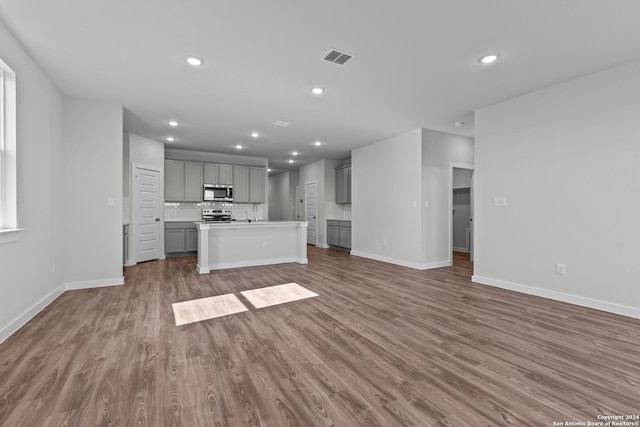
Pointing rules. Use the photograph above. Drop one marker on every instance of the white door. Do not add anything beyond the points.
(311, 210)
(146, 214)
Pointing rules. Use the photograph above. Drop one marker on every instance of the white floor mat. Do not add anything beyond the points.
(206, 308)
(274, 295)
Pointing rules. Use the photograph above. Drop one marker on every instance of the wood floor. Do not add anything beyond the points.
(381, 345)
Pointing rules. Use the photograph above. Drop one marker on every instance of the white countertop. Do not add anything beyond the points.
(244, 224)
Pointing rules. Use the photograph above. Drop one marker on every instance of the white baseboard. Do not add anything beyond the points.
(403, 263)
(560, 296)
(31, 312)
(255, 263)
(437, 264)
(322, 245)
(464, 250)
(89, 284)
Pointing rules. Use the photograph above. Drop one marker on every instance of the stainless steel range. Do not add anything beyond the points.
(216, 215)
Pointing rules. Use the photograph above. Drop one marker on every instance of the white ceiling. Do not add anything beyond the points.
(415, 63)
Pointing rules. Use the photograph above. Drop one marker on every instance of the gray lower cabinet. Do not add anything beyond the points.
(333, 233)
(180, 238)
(339, 233)
(191, 240)
(125, 243)
(345, 234)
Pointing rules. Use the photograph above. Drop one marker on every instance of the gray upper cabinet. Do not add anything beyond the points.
(182, 181)
(173, 180)
(343, 184)
(257, 183)
(241, 184)
(226, 174)
(211, 173)
(249, 184)
(215, 173)
(193, 182)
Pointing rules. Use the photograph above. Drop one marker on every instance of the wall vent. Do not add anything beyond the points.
(337, 57)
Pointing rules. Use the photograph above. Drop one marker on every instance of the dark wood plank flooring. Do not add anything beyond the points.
(382, 346)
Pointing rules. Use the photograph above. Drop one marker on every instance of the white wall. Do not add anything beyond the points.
(567, 160)
(386, 200)
(439, 150)
(462, 177)
(26, 266)
(279, 198)
(294, 181)
(92, 150)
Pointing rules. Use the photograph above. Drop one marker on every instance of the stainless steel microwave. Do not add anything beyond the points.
(218, 193)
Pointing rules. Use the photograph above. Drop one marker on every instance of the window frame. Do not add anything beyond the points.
(9, 230)
(2, 149)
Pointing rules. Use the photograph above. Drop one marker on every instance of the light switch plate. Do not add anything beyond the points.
(500, 201)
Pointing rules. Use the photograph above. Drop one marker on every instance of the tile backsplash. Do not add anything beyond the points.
(193, 211)
(338, 211)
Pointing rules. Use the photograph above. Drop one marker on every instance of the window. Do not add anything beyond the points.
(2, 149)
(8, 187)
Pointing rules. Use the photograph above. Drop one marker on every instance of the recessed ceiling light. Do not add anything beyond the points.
(239, 147)
(268, 169)
(317, 90)
(255, 134)
(173, 123)
(317, 143)
(295, 153)
(489, 58)
(170, 138)
(290, 160)
(458, 124)
(192, 60)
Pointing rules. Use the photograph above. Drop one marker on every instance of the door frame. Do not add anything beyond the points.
(471, 168)
(298, 206)
(133, 260)
(317, 207)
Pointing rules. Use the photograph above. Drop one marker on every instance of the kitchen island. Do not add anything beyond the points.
(245, 244)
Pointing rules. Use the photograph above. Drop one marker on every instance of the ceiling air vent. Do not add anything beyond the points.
(337, 57)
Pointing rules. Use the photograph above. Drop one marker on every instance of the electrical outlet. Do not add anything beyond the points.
(561, 269)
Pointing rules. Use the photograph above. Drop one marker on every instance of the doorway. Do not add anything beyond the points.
(146, 213)
(461, 210)
(311, 210)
